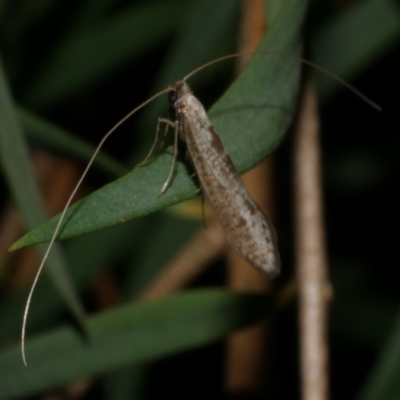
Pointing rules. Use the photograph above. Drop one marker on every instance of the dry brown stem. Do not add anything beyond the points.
(203, 248)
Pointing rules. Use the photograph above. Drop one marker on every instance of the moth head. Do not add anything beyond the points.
(173, 97)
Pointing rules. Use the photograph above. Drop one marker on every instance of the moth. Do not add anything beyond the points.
(246, 228)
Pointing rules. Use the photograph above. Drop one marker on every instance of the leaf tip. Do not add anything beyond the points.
(19, 244)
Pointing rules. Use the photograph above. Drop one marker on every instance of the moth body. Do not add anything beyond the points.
(246, 227)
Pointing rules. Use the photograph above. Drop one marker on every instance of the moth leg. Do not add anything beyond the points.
(171, 171)
(167, 123)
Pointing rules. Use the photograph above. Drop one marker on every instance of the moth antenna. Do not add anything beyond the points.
(300, 59)
(120, 122)
(58, 226)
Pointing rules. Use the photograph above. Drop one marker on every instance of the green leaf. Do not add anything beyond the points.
(383, 382)
(132, 333)
(22, 182)
(58, 140)
(251, 118)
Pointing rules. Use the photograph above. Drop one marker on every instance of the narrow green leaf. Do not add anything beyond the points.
(383, 382)
(251, 118)
(58, 140)
(128, 334)
(131, 197)
(21, 180)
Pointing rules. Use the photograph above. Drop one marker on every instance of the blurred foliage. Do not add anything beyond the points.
(74, 68)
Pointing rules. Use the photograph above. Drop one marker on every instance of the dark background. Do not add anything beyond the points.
(360, 149)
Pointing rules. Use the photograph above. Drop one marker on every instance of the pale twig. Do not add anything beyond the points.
(314, 289)
(206, 246)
